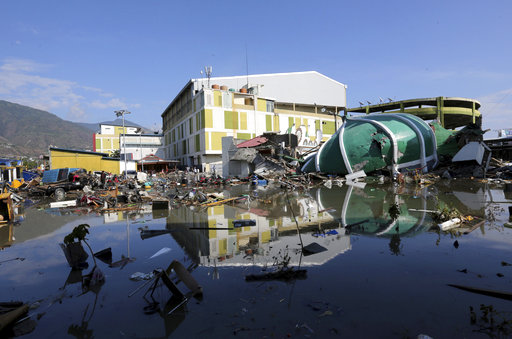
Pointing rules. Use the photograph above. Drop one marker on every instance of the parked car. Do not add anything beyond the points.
(59, 181)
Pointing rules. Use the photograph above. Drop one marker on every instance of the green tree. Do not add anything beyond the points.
(29, 164)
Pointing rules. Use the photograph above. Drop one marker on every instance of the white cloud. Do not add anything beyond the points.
(93, 89)
(496, 111)
(76, 112)
(21, 65)
(19, 82)
(112, 103)
(24, 27)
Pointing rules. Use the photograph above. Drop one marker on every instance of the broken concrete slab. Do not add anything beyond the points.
(473, 151)
(355, 175)
(67, 203)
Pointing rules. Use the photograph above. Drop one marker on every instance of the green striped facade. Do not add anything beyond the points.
(396, 142)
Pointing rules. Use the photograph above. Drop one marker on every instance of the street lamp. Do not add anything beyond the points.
(120, 113)
(323, 110)
(140, 148)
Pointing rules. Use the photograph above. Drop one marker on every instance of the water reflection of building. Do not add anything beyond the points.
(367, 209)
(473, 198)
(211, 245)
(209, 238)
(6, 235)
(141, 211)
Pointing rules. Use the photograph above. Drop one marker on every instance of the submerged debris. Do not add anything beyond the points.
(490, 321)
(446, 214)
(287, 274)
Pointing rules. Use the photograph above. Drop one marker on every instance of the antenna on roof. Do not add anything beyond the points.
(247, 66)
(208, 71)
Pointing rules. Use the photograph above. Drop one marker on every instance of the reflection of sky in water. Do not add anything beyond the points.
(372, 283)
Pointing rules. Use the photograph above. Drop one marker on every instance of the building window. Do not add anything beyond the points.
(227, 100)
(217, 97)
(230, 120)
(243, 120)
(198, 142)
(270, 106)
(268, 123)
(328, 127)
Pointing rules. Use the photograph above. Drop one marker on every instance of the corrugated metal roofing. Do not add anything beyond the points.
(253, 142)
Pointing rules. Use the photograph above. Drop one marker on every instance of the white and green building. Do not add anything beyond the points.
(206, 110)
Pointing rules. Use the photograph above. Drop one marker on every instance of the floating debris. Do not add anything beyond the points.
(160, 252)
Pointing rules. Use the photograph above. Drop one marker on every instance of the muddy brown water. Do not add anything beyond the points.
(373, 276)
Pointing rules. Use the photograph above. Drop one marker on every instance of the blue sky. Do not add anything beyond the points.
(84, 59)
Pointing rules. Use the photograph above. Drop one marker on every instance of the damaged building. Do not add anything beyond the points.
(305, 104)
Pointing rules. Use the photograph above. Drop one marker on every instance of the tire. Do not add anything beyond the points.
(59, 194)
(112, 202)
(134, 199)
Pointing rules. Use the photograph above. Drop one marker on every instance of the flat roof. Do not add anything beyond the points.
(394, 105)
(77, 151)
(307, 87)
(143, 135)
(119, 125)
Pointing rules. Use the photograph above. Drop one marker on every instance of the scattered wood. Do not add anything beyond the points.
(10, 314)
(477, 225)
(220, 202)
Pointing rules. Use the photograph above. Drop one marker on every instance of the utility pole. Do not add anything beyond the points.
(141, 161)
(119, 113)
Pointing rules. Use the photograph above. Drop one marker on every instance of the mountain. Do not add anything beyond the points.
(28, 131)
(93, 127)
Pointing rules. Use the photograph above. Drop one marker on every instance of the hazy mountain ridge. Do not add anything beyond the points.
(26, 131)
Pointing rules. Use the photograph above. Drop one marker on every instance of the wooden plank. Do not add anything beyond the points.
(490, 293)
(477, 225)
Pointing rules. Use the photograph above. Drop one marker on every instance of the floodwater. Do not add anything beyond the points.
(374, 277)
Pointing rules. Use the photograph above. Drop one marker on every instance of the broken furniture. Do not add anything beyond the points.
(6, 210)
(183, 275)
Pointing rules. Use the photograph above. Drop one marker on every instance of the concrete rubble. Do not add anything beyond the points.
(266, 160)
(264, 164)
